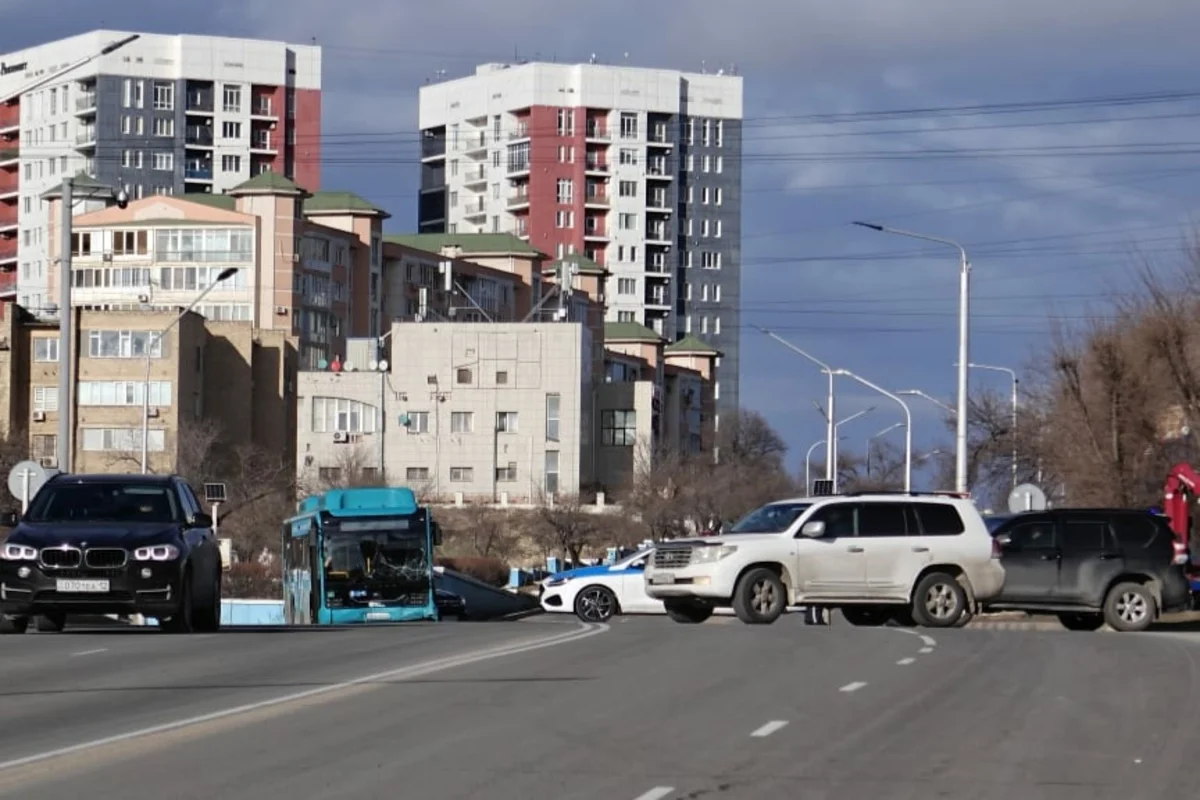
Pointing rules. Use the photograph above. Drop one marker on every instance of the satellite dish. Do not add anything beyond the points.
(372, 365)
(322, 364)
(383, 365)
(348, 367)
(26, 478)
(1026, 497)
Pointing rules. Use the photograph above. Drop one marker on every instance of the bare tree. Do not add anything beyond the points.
(481, 531)
(355, 465)
(566, 526)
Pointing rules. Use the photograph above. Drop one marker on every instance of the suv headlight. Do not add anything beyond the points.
(712, 552)
(158, 552)
(18, 552)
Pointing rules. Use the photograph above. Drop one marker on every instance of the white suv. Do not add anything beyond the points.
(926, 559)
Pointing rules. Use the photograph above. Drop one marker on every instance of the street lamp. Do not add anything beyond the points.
(964, 315)
(870, 439)
(830, 452)
(1012, 374)
(930, 398)
(907, 422)
(225, 274)
(808, 466)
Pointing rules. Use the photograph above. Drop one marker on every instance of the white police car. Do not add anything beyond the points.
(595, 594)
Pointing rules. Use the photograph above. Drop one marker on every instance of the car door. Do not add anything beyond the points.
(633, 589)
(835, 564)
(205, 550)
(1090, 559)
(896, 553)
(1030, 556)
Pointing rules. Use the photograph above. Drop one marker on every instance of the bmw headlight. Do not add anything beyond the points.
(160, 552)
(712, 552)
(18, 552)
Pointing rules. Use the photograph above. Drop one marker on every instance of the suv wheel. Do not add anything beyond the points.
(760, 597)
(1129, 607)
(596, 604)
(939, 601)
(13, 624)
(1081, 621)
(181, 621)
(688, 612)
(866, 616)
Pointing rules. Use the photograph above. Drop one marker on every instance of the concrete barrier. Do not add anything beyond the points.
(483, 601)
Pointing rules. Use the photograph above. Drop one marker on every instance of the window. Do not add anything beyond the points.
(232, 98)
(629, 125)
(139, 94)
(462, 375)
(882, 519)
(565, 190)
(628, 188)
(164, 96)
(1085, 536)
(626, 316)
(338, 414)
(462, 474)
(939, 519)
(124, 344)
(1136, 531)
(231, 163)
(1032, 536)
(566, 122)
(163, 162)
(462, 421)
(553, 410)
(838, 519)
(771, 518)
(506, 421)
(45, 350)
(122, 440)
(231, 130)
(706, 133)
(627, 155)
(720, 133)
(566, 154)
(710, 260)
(43, 445)
(418, 421)
(416, 474)
(618, 428)
(45, 398)
(550, 472)
(123, 393)
(627, 222)
(564, 219)
(626, 286)
(507, 474)
(164, 127)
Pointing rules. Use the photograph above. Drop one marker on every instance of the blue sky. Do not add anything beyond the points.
(1053, 225)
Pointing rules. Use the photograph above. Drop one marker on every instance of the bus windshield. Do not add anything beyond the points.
(771, 518)
(375, 562)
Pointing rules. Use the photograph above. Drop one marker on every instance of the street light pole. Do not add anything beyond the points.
(830, 435)
(930, 398)
(964, 329)
(158, 338)
(907, 422)
(1012, 373)
(870, 439)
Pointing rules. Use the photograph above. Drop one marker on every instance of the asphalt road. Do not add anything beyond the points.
(643, 710)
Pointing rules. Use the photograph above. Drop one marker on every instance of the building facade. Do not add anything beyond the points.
(638, 170)
(161, 114)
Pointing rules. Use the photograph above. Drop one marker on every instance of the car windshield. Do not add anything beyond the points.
(107, 501)
(771, 518)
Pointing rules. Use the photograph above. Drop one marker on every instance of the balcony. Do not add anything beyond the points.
(658, 234)
(11, 192)
(262, 144)
(85, 104)
(199, 103)
(475, 176)
(659, 271)
(659, 140)
(8, 283)
(520, 133)
(198, 174)
(10, 157)
(475, 144)
(597, 133)
(659, 171)
(475, 210)
(657, 300)
(597, 200)
(517, 169)
(658, 205)
(596, 166)
(86, 137)
(8, 252)
(198, 136)
(595, 231)
(517, 202)
(260, 108)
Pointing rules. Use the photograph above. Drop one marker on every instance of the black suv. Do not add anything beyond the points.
(1091, 566)
(111, 544)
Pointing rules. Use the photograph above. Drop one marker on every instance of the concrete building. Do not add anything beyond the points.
(212, 385)
(162, 115)
(638, 170)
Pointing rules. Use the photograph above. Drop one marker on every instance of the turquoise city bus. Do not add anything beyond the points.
(359, 555)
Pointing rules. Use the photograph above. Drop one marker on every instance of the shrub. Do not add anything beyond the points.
(491, 571)
(251, 580)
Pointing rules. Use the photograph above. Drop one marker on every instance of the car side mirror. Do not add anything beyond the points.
(813, 530)
(202, 520)
(1004, 540)
(437, 534)
(9, 519)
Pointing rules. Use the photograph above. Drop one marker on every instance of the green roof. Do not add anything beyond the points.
(267, 183)
(629, 332)
(225, 202)
(471, 243)
(81, 183)
(582, 263)
(691, 344)
(340, 202)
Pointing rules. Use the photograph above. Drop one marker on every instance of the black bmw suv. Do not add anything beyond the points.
(111, 544)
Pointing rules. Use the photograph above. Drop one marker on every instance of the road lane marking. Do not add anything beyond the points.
(657, 793)
(769, 728)
(583, 631)
(849, 687)
(904, 662)
(90, 652)
(929, 641)
(926, 650)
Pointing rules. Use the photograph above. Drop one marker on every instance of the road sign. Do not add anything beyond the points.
(25, 479)
(1026, 497)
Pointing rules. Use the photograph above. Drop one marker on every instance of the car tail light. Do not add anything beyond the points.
(1181, 553)
(996, 551)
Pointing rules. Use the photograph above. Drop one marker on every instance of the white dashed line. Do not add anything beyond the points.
(90, 652)
(904, 662)
(769, 728)
(852, 687)
(926, 650)
(929, 641)
(657, 793)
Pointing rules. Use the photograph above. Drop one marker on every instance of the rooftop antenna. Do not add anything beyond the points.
(627, 56)
(703, 67)
(592, 60)
(733, 69)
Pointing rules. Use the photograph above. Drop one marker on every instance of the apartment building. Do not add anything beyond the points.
(160, 114)
(638, 170)
(212, 385)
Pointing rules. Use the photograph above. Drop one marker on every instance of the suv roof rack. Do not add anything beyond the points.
(902, 493)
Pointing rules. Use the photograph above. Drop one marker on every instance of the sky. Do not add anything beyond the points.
(1076, 161)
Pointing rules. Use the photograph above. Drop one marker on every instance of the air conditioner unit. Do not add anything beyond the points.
(296, 258)
(39, 416)
(281, 310)
(152, 413)
(107, 257)
(49, 462)
(341, 437)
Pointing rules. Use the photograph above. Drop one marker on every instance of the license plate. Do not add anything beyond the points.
(373, 616)
(662, 577)
(69, 585)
